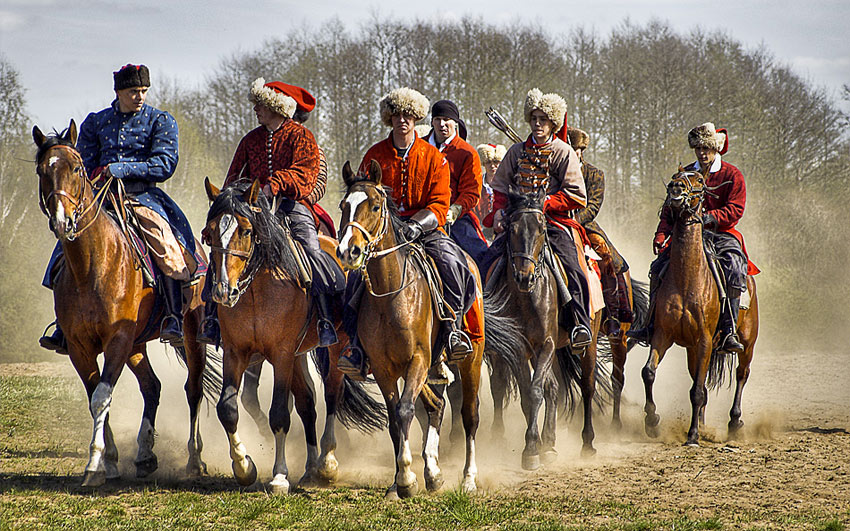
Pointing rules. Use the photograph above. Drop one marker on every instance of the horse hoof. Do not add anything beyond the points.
(617, 424)
(408, 491)
(146, 467)
(249, 476)
(94, 479)
(279, 485)
(309, 479)
(548, 456)
(734, 426)
(588, 451)
(435, 483)
(329, 471)
(530, 462)
(693, 443)
(392, 494)
(196, 469)
(469, 485)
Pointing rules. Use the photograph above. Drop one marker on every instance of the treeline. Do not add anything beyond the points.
(637, 91)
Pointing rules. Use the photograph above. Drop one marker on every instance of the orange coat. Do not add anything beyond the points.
(465, 169)
(420, 180)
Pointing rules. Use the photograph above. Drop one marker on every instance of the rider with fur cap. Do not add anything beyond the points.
(491, 156)
(546, 159)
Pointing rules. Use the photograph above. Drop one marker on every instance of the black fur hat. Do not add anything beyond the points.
(131, 76)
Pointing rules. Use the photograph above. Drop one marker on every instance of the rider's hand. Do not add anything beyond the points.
(658, 244)
(498, 221)
(453, 213)
(412, 230)
(709, 222)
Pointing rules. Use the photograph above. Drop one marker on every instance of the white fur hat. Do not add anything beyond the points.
(272, 97)
(706, 135)
(403, 100)
(491, 152)
(552, 104)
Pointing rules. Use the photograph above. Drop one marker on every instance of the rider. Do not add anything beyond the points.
(419, 179)
(283, 155)
(721, 211)
(465, 170)
(545, 156)
(614, 267)
(136, 144)
(491, 155)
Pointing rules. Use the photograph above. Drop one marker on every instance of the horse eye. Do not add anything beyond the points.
(376, 208)
(247, 232)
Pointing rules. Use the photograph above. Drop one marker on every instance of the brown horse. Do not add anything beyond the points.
(525, 286)
(263, 309)
(398, 328)
(103, 305)
(687, 309)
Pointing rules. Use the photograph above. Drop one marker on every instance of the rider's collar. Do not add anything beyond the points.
(715, 166)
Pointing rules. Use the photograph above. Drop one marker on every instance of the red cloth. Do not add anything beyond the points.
(302, 97)
(322, 215)
(426, 173)
(465, 171)
(294, 159)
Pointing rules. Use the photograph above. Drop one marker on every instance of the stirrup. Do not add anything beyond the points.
(580, 338)
(210, 333)
(56, 341)
(171, 334)
(612, 327)
(327, 334)
(460, 346)
(731, 344)
(352, 369)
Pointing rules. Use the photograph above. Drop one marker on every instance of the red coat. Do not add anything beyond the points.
(420, 180)
(287, 159)
(465, 170)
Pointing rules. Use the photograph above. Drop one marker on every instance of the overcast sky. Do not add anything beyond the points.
(66, 50)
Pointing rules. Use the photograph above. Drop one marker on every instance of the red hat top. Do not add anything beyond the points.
(303, 99)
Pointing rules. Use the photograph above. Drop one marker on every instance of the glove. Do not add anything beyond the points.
(658, 244)
(412, 230)
(709, 222)
(498, 219)
(453, 213)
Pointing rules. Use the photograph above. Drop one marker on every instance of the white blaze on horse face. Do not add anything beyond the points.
(353, 200)
(52, 160)
(226, 230)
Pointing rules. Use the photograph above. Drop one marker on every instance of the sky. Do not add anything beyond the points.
(65, 51)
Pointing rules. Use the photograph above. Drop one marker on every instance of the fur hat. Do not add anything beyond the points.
(552, 104)
(491, 152)
(403, 100)
(129, 76)
(578, 138)
(273, 95)
(706, 135)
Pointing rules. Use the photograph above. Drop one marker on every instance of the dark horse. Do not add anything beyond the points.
(398, 329)
(263, 309)
(103, 305)
(687, 309)
(526, 287)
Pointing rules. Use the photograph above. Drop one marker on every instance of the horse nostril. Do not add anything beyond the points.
(355, 251)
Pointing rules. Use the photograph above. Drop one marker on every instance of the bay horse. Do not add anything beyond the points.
(103, 305)
(263, 309)
(398, 329)
(687, 309)
(525, 286)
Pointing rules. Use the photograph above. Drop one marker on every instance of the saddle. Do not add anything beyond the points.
(435, 284)
(304, 271)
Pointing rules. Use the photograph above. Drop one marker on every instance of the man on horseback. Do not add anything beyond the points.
(136, 144)
(545, 159)
(419, 179)
(722, 210)
(283, 155)
(613, 266)
(448, 134)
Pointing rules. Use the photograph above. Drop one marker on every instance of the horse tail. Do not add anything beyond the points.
(357, 409)
(570, 381)
(504, 341)
(719, 368)
(211, 378)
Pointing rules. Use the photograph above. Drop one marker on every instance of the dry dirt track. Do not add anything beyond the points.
(794, 451)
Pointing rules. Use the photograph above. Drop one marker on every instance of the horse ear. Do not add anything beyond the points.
(37, 136)
(71, 132)
(681, 168)
(375, 171)
(347, 174)
(252, 193)
(212, 191)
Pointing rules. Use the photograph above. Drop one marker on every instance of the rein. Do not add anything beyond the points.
(537, 263)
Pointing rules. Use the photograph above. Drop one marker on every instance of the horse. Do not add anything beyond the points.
(263, 309)
(103, 305)
(397, 298)
(687, 309)
(526, 287)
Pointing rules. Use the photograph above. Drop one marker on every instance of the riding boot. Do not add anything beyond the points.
(580, 337)
(324, 324)
(611, 327)
(643, 335)
(55, 341)
(729, 328)
(171, 330)
(210, 332)
(625, 304)
(458, 343)
(353, 361)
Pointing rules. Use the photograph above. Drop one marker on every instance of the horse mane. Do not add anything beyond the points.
(517, 200)
(270, 246)
(54, 139)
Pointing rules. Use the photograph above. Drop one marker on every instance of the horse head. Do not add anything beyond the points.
(685, 193)
(526, 234)
(63, 185)
(365, 216)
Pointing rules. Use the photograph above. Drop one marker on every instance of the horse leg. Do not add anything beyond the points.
(470, 378)
(146, 461)
(279, 417)
(551, 389)
(250, 398)
(454, 392)
(227, 409)
(656, 353)
(196, 365)
(115, 356)
(588, 390)
(430, 419)
(618, 376)
(327, 469)
(414, 380)
(542, 368)
(305, 405)
(699, 357)
(499, 391)
(742, 374)
(389, 389)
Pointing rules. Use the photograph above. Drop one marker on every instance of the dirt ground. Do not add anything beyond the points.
(794, 451)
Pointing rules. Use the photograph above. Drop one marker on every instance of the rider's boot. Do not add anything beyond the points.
(729, 328)
(611, 327)
(210, 333)
(171, 330)
(643, 335)
(459, 346)
(56, 341)
(353, 361)
(324, 324)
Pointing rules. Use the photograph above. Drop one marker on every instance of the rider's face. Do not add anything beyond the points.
(131, 99)
(705, 155)
(541, 126)
(403, 123)
(444, 128)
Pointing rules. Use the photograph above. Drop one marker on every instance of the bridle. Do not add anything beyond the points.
(691, 192)
(535, 262)
(244, 279)
(80, 209)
